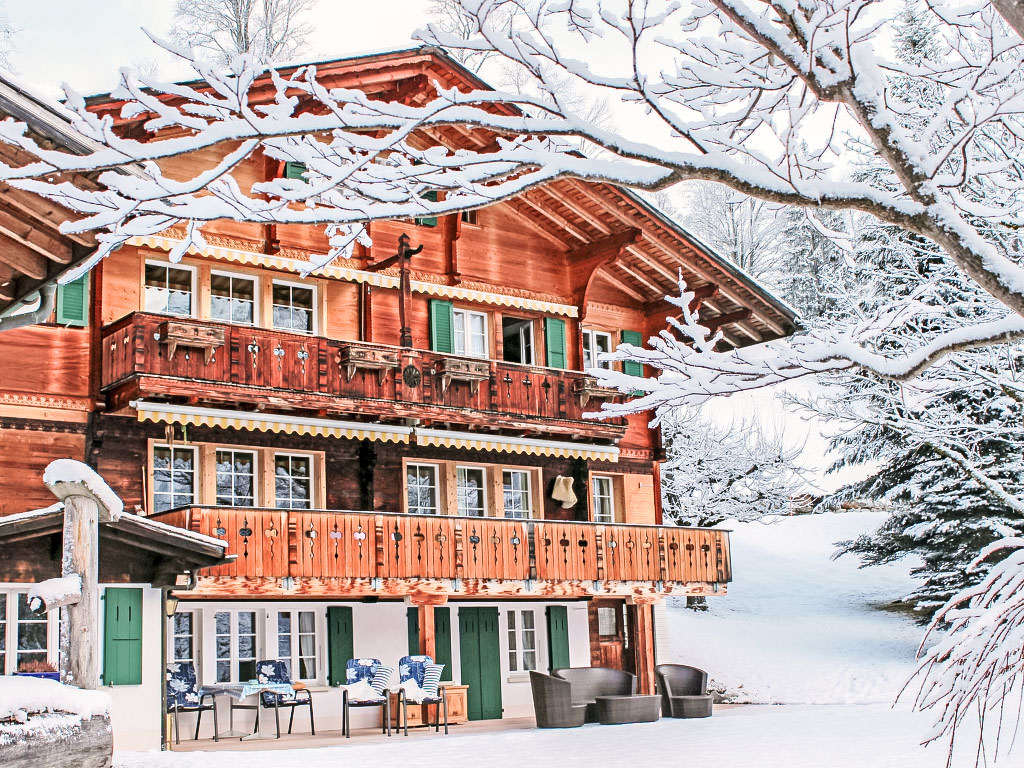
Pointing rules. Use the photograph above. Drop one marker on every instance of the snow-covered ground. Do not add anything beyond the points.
(796, 628)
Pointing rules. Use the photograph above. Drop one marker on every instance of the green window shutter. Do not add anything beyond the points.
(441, 326)
(122, 636)
(428, 221)
(558, 637)
(629, 367)
(293, 170)
(339, 642)
(443, 640)
(554, 341)
(73, 302)
(412, 620)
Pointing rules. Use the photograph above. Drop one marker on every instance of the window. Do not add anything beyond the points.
(607, 622)
(522, 641)
(236, 478)
(470, 483)
(293, 481)
(430, 196)
(173, 477)
(296, 643)
(236, 645)
(596, 343)
(603, 498)
(31, 633)
(517, 337)
(182, 637)
(421, 489)
(168, 289)
(232, 298)
(293, 169)
(516, 484)
(471, 217)
(469, 330)
(293, 307)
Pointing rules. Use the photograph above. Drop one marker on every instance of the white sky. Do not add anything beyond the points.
(85, 42)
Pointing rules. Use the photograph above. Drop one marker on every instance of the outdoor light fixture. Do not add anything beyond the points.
(170, 606)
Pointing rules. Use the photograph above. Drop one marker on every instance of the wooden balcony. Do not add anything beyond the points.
(374, 554)
(295, 371)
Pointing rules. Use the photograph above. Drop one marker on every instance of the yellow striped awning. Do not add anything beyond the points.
(484, 442)
(263, 422)
(251, 258)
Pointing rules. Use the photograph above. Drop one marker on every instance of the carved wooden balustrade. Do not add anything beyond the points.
(312, 372)
(323, 544)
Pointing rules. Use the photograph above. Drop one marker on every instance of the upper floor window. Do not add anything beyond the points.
(174, 472)
(517, 340)
(293, 307)
(602, 496)
(236, 478)
(596, 343)
(469, 332)
(470, 482)
(169, 290)
(293, 481)
(421, 489)
(232, 298)
(470, 217)
(516, 485)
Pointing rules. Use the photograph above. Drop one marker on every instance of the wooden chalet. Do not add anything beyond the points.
(383, 497)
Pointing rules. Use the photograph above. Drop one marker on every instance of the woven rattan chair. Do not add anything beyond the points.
(684, 690)
(552, 702)
(587, 683)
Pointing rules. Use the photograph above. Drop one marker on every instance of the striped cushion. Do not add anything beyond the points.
(381, 678)
(431, 679)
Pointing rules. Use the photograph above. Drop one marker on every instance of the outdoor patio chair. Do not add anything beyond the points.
(273, 671)
(427, 675)
(590, 682)
(377, 676)
(183, 696)
(684, 690)
(553, 704)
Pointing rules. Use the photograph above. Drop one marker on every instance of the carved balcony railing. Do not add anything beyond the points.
(347, 377)
(323, 544)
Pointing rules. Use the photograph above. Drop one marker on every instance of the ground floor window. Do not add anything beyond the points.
(236, 645)
(296, 643)
(183, 637)
(522, 640)
(25, 638)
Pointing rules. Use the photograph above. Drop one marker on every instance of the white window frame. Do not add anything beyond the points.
(436, 469)
(528, 512)
(196, 471)
(192, 635)
(607, 493)
(517, 634)
(233, 634)
(9, 631)
(590, 348)
(483, 489)
(525, 331)
(255, 295)
(467, 336)
(295, 639)
(315, 310)
(194, 303)
(255, 473)
(312, 477)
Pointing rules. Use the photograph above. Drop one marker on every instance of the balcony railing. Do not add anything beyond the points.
(278, 543)
(235, 363)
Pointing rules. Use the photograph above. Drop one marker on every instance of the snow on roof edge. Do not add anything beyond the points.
(75, 472)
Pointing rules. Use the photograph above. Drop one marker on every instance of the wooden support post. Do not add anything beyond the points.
(79, 638)
(428, 637)
(642, 611)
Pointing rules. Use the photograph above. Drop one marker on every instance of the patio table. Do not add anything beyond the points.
(238, 692)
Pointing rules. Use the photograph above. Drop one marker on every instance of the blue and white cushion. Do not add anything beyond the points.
(182, 685)
(432, 679)
(273, 671)
(381, 678)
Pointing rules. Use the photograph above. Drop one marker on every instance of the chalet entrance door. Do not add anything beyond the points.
(608, 635)
(480, 660)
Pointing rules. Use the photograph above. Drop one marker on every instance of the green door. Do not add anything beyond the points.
(480, 658)
(122, 636)
(339, 642)
(558, 637)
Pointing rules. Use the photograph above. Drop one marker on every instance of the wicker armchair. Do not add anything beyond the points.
(552, 702)
(684, 690)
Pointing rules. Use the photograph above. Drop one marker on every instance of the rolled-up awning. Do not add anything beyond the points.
(484, 442)
(265, 422)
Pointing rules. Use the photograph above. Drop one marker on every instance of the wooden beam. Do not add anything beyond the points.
(640, 278)
(23, 259)
(427, 630)
(42, 210)
(642, 614)
(583, 213)
(714, 323)
(24, 232)
(612, 243)
(620, 285)
(515, 205)
(648, 261)
(556, 219)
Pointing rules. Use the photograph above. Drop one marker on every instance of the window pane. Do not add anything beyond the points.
(293, 308)
(470, 481)
(235, 478)
(173, 477)
(246, 622)
(606, 624)
(421, 486)
(293, 482)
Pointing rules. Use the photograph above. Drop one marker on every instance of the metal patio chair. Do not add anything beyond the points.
(377, 676)
(427, 675)
(274, 671)
(183, 696)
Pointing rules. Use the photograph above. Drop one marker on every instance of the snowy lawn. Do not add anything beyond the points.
(798, 627)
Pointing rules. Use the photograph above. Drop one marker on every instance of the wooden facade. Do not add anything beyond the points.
(551, 278)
